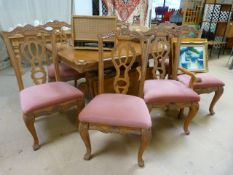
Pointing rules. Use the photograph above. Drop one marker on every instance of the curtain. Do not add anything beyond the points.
(131, 11)
(21, 12)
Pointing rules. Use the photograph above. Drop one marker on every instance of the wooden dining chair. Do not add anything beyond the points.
(60, 40)
(160, 92)
(206, 83)
(28, 43)
(117, 112)
(66, 73)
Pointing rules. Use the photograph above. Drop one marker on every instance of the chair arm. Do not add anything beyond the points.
(192, 75)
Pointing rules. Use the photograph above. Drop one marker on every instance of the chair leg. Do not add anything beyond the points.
(150, 107)
(83, 129)
(80, 106)
(76, 83)
(216, 97)
(181, 113)
(192, 112)
(29, 121)
(145, 139)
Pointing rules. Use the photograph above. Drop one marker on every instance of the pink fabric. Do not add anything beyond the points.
(168, 91)
(207, 81)
(117, 110)
(65, 71)
(49, 94)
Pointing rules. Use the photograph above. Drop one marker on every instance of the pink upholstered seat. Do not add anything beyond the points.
(45, 95)
(65, 71)
(117, 110)
(168, 91)
(207, 81)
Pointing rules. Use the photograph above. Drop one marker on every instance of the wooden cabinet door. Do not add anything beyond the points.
(229, 32)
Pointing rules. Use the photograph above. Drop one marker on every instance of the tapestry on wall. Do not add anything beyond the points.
(131, 11)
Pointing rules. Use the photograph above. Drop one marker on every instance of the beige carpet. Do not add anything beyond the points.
(207, 150)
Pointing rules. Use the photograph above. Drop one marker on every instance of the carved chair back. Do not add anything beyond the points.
(180, 33)
(60, 40)
(186, 31)
(28, 43)
(57, 25)
(124, 56)
(158, 51)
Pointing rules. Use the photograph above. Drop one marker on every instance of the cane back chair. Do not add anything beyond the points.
(29, 43)
(117, 112)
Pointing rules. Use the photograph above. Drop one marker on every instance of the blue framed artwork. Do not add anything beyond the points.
(193, 56)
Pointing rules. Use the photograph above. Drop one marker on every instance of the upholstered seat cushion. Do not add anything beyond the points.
(45, 95)
(207, 81)
(65, 71)
(117, 110)
(168, 91)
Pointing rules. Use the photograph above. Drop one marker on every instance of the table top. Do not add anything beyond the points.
(84, 60)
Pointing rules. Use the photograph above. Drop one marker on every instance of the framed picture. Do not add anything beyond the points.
(193, 55)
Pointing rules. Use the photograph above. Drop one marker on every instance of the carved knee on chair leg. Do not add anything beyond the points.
(145, 140)
(83, 130)
(29, 122)
(192, 113)
(216, 97)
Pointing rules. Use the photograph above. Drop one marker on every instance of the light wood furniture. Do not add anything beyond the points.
(66, 73)
(57, 25)
(117, 113)
(205, 83)
(86, 28)
(192, 14)
(163, 93)
(84, 61)
(63, 31)
(42, 98)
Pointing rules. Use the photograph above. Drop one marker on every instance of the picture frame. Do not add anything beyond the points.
(193, 54)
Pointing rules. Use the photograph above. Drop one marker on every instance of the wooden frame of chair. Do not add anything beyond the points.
(60, 39)
(32, 46)
(58, 27)
(182, 32)
(159, 48)
(145, 134)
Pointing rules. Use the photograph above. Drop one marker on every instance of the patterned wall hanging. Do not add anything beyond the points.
(132, 11)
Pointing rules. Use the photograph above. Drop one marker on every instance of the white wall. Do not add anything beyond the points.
(83, 7)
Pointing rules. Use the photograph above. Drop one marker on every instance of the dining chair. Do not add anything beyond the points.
(66, 73)
(159, 29)
(117, 112)
(60, 39)
(206, 83)
(160, 92)
(28, 43)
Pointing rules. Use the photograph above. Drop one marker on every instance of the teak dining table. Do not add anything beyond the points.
(83, 60)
